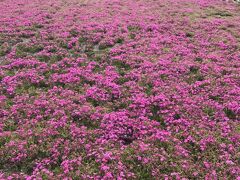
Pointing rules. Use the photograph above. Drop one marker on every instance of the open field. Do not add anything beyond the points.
(119, 89)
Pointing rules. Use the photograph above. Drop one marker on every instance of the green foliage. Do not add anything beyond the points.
(133, 28)
(132, 35)
(209, 111)
(198, 59)
(222, 14)
(74, 32)
(229, 113)
(156, 116)
(120, 40)
(190, 34)
(142, 172)
(194, 69)
(22, 50)
(4, 51)
(4, 140)
(148, 88)
(122, 67)
(82, 40)
(215, 98)
(10, 125)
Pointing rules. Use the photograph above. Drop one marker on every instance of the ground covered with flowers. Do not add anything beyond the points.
(119, 89)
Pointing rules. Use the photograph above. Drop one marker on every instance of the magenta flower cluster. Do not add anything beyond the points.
(119, 89)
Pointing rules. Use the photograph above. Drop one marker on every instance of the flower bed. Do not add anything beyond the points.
(119, 89)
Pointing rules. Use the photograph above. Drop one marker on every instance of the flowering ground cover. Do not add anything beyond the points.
(119, 89)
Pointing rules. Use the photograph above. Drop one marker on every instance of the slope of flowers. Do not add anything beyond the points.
(119, 89)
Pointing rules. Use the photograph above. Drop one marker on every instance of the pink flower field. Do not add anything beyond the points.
(119, 89)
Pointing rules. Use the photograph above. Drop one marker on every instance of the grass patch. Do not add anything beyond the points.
(87, 122)
(238, 128)
(209, 111)
(104, 46)
(89, 166)
(177, 116)
(8, 103)
(190, 34)
(156, 116)
(132, 35)
(3, 141)
(148, 89)
(122, 80)
(194, 69)
(142, 172)
(230, 114)
(194, 75)
(82, 40)
(133, 28)
(222, 14)
(63, 44)
(74, 32)
(198, 59)
(50, 59)
(4, 50)
(215, 98)
(120, 40)
(10, 125)
(22, 50)
(121, 66)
